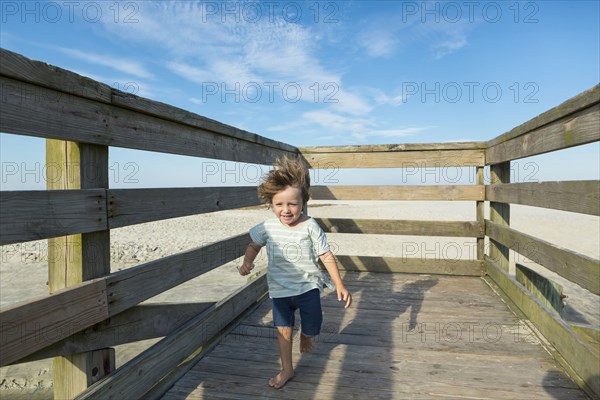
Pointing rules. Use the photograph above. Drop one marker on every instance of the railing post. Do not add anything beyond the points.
(76, 258)
(500, 213)
(480, 215)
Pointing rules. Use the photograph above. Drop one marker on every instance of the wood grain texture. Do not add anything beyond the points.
(139, 375)
(134, 206)
(59, 115)
(24, 70)
(33, 215)
(146, 321)
(444, 193)
(409, 265)
(379, 148)
(124, 287)
(578, 268)
(396, 159)
(402, 227)
(546, 290)
(31, 326)
(575, 196)
(579, 355)
(21, 68)
(369, 351)
(576, 129)
(168, 112)
(583, 100)
(499, 212)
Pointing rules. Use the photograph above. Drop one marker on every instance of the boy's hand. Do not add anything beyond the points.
(344, 294)
(246, 268)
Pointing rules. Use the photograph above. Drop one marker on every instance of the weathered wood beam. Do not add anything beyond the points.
(31, 326)
(138, 376)
(575, 196)
(402, 227)
(410, 265)
(146, 321)
(580, 357)
(124, 204)
(396, 159)
(40, 214)
(443, 192)
(578, 268)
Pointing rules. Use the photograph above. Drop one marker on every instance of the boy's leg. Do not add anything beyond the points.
(306, 344)
(283, 319)
(311, 315)
(284, 341)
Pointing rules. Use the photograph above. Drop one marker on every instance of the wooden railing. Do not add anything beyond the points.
(81, 119)
(575, 122)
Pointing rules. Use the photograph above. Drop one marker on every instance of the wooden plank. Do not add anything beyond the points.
(21, 68)
(40, 214)
(578, 268)
(409, 265)
(161, 387)
(578, 354)
(402, 227)
(29, 327)
(378, 148)
(575, 196)
(124, 204)
(120, 288)
(480, 215)
(146, 321)
(438, 192)
(95, 246)
(136, 377)
(590, 334)
(88, 165)
(100, 363)
(581, 101)
(396, 159)
(168, 112)
(351, 365)
(160, 275)
(580, 128)
(376, 361)
(499, 213)
(547, 291)
(82, 120)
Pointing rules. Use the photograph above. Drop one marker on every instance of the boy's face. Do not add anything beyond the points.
(287, 206)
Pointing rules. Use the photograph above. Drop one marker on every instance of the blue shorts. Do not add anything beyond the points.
(311, 315)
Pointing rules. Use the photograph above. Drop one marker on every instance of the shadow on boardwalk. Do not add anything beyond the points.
(406, 336)
(351, 357)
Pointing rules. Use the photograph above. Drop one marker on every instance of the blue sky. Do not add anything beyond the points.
(319, 73)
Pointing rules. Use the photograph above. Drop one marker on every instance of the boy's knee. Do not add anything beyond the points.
(285, 332)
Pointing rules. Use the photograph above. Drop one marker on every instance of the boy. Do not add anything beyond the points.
(294, 243)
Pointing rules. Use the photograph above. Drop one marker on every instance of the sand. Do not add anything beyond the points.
(23, 272)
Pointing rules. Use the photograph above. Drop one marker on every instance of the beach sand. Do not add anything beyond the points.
(23, 273)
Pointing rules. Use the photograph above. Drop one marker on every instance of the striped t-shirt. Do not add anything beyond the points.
(292, 254)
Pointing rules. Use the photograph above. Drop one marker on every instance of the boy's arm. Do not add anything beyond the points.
(251, 252)
(329, 261)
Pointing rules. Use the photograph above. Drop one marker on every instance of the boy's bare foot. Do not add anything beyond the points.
(280, 379)
(306, 344)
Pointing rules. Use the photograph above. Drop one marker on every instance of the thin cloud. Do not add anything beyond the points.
(120, 64)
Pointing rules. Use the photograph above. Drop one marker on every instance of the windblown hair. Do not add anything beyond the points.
(290, 171)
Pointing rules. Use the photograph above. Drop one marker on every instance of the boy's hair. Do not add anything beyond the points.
(290, 171)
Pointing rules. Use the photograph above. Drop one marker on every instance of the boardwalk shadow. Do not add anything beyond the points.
(354, 355)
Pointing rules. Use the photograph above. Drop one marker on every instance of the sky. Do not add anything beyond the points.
(319, 73)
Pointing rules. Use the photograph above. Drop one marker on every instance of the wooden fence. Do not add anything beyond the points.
(81, 119)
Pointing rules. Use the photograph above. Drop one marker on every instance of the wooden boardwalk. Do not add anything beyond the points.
(406, 336)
